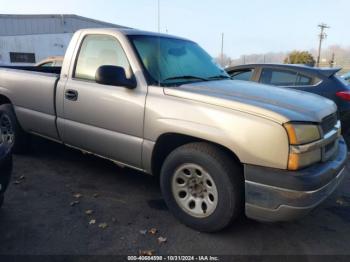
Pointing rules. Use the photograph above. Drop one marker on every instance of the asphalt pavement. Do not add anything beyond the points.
(62, 202)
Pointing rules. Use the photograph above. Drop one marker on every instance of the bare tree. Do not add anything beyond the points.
(223, 60)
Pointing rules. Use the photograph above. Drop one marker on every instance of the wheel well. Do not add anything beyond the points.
(4, 100)
(166, 143)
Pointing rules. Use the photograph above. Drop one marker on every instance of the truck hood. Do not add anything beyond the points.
(278, 104)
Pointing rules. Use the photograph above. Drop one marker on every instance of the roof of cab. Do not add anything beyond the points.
(131, 31)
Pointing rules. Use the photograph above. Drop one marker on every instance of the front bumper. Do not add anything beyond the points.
(281, 195)
(5, 167)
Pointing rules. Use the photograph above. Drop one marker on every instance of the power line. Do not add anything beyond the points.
(322, 36)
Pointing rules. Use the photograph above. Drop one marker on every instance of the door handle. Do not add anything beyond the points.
(71, 95)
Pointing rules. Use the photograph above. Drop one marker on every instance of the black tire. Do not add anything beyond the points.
(21, 139)
(1, 200)
(226, 174)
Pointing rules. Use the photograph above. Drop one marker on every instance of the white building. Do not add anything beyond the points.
(28, 39)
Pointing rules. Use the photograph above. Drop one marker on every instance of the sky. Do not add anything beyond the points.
(249, 27)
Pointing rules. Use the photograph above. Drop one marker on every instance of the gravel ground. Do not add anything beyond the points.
(41, 216)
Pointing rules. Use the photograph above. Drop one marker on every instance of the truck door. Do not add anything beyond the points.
(105, 120)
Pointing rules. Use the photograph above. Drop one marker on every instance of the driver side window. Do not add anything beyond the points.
(96, 51)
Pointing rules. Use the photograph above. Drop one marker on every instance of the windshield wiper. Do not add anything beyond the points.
(219, 77)
(187, 77)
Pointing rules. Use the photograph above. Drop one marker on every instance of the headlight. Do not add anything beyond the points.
(300, 134)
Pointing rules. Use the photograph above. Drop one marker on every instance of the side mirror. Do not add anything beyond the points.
(114, 76)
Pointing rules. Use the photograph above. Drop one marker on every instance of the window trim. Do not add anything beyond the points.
(78, 53)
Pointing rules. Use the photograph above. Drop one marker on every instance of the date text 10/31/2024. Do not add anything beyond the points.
(173, 258)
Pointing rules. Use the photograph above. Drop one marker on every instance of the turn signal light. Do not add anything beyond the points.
(302, 160)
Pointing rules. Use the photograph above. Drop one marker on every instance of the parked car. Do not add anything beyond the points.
(220, 147)
(52, 61)
(5, 160)
(346, 77)
(320, 81)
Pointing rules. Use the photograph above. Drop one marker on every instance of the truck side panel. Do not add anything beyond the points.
(253, 139)
(32, 95)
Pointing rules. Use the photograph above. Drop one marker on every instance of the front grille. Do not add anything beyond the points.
(330, 150)
(329, 122)
(330, 146)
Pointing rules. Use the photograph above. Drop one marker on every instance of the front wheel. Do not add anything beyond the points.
(203, 186)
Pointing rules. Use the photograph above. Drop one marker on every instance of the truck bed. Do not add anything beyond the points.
(32, 91)
(52, 70)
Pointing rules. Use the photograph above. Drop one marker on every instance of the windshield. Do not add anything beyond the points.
(170, 61)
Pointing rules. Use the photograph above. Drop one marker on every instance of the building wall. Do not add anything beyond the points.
(46, 24)
(43, 46)
(40, 36)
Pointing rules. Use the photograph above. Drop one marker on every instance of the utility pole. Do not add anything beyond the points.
(332, 62)
(222, 49)
(322, 36)
(158, 16)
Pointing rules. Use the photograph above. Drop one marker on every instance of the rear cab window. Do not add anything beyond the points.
(48, 64)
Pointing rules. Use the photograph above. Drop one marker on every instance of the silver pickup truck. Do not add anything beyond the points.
(159, 104)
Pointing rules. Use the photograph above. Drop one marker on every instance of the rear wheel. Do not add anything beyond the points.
(202, 186)
(12, 133)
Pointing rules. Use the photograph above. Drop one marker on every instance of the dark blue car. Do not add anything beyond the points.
(5, 168)
(320, 81)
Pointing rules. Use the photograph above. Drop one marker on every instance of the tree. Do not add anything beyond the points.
(300, 57)
(224, 61)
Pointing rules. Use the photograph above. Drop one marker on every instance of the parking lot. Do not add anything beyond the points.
(64, 202)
